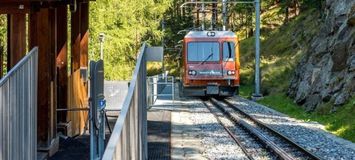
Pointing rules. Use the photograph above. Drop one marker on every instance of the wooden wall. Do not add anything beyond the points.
(78, 92)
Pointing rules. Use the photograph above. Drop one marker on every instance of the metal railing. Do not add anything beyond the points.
(128, 139)
(18, 110)
(160, 86)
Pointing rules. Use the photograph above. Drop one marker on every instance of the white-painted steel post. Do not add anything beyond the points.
(102, 39)
(224, 14)
(163, 43)
(257, 93)
(203, 16)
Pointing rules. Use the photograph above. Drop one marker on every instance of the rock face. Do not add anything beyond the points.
(327, 71)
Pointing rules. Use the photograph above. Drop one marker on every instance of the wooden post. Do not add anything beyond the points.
(42, 29)
(16, 31)
(62, 61)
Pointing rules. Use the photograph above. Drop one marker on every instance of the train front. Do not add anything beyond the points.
(210, 63)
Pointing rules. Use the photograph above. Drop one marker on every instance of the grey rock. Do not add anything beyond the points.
(336, 84)
(302, 93)
(339, 57)
(341, 99)
(325, 95)
(312, 102)
(352, 64)
(351, 19)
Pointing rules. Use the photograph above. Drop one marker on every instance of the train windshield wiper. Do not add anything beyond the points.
(229, 50)
(209, 56)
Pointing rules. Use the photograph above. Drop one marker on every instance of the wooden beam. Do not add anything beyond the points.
(62, 61)
(12, 8)
(42, 1)
(84, 32)
(16, 38)
(75, 39)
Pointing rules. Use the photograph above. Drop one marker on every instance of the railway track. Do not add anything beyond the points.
(256, 139)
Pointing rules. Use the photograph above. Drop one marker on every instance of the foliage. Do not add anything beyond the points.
(3, 35)
(126, 24)
(175, 20)
(3, 30)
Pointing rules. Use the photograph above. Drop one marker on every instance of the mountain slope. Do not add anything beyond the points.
(326, 73)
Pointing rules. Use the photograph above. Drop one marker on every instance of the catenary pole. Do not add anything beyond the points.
(224, 14)
(257, 93)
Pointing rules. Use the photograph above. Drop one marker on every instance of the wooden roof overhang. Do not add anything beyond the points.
(24, 6)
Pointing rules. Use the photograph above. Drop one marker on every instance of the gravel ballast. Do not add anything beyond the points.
(307, 134)
(214, 140)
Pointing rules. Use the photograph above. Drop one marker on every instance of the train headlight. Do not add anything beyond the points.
(192, 72)
(230, 72)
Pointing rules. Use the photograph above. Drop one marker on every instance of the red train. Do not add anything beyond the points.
(210, 61)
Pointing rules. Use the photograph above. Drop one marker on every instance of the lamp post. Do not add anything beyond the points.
(224, 14)
(102, 39)
(163, 43)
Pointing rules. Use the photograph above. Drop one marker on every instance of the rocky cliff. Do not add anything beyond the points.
(327, 71)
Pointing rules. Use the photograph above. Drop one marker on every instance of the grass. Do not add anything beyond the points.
(246, 91)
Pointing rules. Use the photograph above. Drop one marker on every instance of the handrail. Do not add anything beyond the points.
(18, 109)
(18, 65)
(128, 139)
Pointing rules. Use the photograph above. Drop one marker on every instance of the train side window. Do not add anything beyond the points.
(228, 51)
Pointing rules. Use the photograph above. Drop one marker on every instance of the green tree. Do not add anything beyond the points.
(3, 35)
(126, 23)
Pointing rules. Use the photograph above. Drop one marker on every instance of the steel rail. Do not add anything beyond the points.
(269, 128)
(269, 144)
(230, 133)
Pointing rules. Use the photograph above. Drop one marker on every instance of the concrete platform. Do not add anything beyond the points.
(184, 141)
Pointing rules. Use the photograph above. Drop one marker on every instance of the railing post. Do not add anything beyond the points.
(144, 106)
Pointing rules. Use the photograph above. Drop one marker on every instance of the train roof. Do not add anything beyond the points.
(210, 34)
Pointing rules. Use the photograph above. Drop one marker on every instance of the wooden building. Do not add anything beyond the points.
(44, 23)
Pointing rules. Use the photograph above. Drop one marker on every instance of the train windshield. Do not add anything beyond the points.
(203, 51)
(228, 51)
